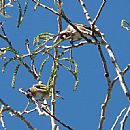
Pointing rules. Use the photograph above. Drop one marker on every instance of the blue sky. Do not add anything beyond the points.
(80, 109)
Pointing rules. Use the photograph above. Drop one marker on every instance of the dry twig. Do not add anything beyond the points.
(99, 12)
(124, 119)
(117, 119)
(14, 112)
(43, 107)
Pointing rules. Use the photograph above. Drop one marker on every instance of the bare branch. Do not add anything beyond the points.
(17, 115)
(125, 119)
(118, 70)
(55, 67)
(99, 12)
(46, 7)
(92, 25)
(75, 45)
(4, 36)
(106, 73)
(123, 72)
(117, 119)
(85, 12)
(32, 60)
(107, 99)
(1, 118)
(104, 107)
(3, 123)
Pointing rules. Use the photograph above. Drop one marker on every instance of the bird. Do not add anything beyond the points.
(70, 33)
(41, 91)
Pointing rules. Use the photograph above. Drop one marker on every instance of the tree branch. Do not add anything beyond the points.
(44, 6)
(118, 70)
(17, 115)
(125, 119)
(99, 12)
(117, 119)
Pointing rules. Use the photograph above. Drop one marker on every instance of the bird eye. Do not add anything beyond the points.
(63, 35)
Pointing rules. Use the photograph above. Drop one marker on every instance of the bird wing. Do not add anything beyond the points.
(41, 86)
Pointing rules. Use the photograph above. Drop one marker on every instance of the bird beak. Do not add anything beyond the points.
(29, 94)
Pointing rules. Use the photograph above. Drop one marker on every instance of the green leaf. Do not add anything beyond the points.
(42, 66)
(26, 108)
(42, 36)
(39, 47)
(20, 19)
(21, 14)
(62, 53)
(55, 45)
(74, 72)
(15, 74)
(123, 22)
(53, 74)
(7, 62)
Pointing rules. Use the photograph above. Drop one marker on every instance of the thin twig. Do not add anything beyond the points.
(110, 52)
(117, 119)
(105, 104)
(104, 107)
(3, 123)
(106, 73)
(32, 59)
(17, 115)
(92, 25)
(1, 120)
(123, 72)
(75, 45)
(4, 36)
(85, 10)
(27, 46)
(124, 119)
(54, 69)
(41, 112)
(46, 7)
(99, 12)
(28, 111)
(118, 70)
(108, 96)
(34, 69)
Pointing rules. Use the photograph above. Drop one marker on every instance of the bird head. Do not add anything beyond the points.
(64, 35)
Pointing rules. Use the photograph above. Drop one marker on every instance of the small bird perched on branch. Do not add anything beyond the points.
(41, 91)
(70, 33)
